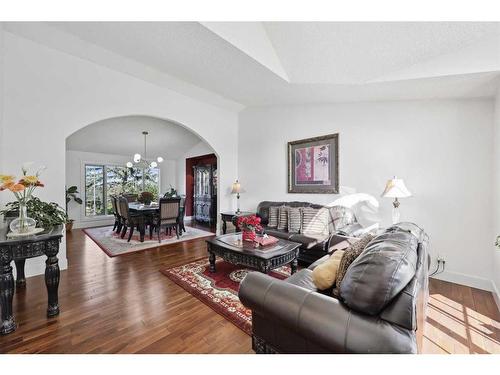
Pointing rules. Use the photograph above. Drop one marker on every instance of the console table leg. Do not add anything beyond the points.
(8, 323)
(52, 275)
(224, 226)
(20, 278)
(294, 266)
(211, 259)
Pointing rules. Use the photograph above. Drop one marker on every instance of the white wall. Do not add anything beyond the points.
(1, 90)
(75, 175)
(50, 94)
(442, 149)
(496, 174)
(168, 175)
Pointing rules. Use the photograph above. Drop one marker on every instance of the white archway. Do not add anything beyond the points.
(120, 129)
(47, 101)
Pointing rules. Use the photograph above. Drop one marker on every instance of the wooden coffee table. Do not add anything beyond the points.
(232, 249)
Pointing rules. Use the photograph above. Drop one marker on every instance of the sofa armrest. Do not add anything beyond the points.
(336, 239)
(318, 262)
(321, 320)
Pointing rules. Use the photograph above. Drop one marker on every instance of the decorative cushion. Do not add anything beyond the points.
(273, 217)
(315, 221)
(283, 217)
(342, 217)
(380, 273)
(294, 219)
(351, 253)
(325, 274)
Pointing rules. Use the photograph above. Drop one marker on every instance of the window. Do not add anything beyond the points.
(94, 190)
(102, 181)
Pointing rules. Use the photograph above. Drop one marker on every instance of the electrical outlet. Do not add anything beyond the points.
(440, 259)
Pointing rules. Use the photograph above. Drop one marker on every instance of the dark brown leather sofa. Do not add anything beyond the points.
(380, 308)
(342, 221)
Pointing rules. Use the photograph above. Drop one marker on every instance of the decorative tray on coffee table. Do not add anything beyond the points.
(236, 240)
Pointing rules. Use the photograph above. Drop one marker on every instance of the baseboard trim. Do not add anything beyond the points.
(467, 280)
(496, 294)
(93, 223)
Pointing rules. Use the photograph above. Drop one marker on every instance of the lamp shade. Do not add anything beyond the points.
(396, 188)
(236, 188)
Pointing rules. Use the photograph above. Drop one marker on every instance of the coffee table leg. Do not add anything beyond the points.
(211, 259)
(294, 265)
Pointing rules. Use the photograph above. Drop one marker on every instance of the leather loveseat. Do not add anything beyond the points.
(380, 308)
(342, 221)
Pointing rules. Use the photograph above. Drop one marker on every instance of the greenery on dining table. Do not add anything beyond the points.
(46, 214)
(171, 193)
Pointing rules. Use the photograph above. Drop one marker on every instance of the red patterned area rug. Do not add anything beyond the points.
(113, 245)
(219, 290)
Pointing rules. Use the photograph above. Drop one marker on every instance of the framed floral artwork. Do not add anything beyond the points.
(313, 165)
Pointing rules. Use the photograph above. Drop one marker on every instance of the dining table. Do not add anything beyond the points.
(144, 212)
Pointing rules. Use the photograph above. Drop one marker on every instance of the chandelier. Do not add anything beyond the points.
(142, 161)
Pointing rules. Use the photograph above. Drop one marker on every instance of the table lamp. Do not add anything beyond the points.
(395, 188)
(236, 189)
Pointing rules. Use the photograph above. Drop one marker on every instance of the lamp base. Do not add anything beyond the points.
(395, 211)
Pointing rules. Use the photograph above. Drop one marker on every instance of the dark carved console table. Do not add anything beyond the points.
(18, 250)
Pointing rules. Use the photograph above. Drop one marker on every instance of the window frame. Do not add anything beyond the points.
(105, 166)
(103, 189)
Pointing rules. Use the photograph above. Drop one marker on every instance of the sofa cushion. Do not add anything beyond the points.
(325, 274)
(304, 279)
(294, 219)
(342, 216)
(380, 273)
(308, 242)
(352, 230)
(350, 254)
(277, 233)
(283, 217)
(315, 221)
(273, 217)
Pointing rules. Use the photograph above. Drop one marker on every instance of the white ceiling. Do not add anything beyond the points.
(273, 63)
(123, 136)
(358, 52)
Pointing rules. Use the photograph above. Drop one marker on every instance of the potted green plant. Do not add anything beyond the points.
(71, 195)
(45, 214)
(170, 194)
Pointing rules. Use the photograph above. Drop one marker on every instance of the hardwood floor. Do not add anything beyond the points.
(125, 305)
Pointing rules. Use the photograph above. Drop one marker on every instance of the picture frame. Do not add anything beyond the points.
(313, 165)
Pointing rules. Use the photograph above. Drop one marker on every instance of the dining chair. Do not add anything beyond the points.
(168, 216)
(115, 212)
(131, 197)
(121, 220)
(129, 221)
(182, 214)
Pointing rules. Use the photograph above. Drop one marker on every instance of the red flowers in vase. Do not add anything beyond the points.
(248, 225)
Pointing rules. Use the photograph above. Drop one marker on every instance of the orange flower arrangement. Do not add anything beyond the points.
(22, 189)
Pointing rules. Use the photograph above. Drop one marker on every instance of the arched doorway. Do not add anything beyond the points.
(104, 148)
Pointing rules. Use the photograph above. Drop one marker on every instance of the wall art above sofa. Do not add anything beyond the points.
(313, 165)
